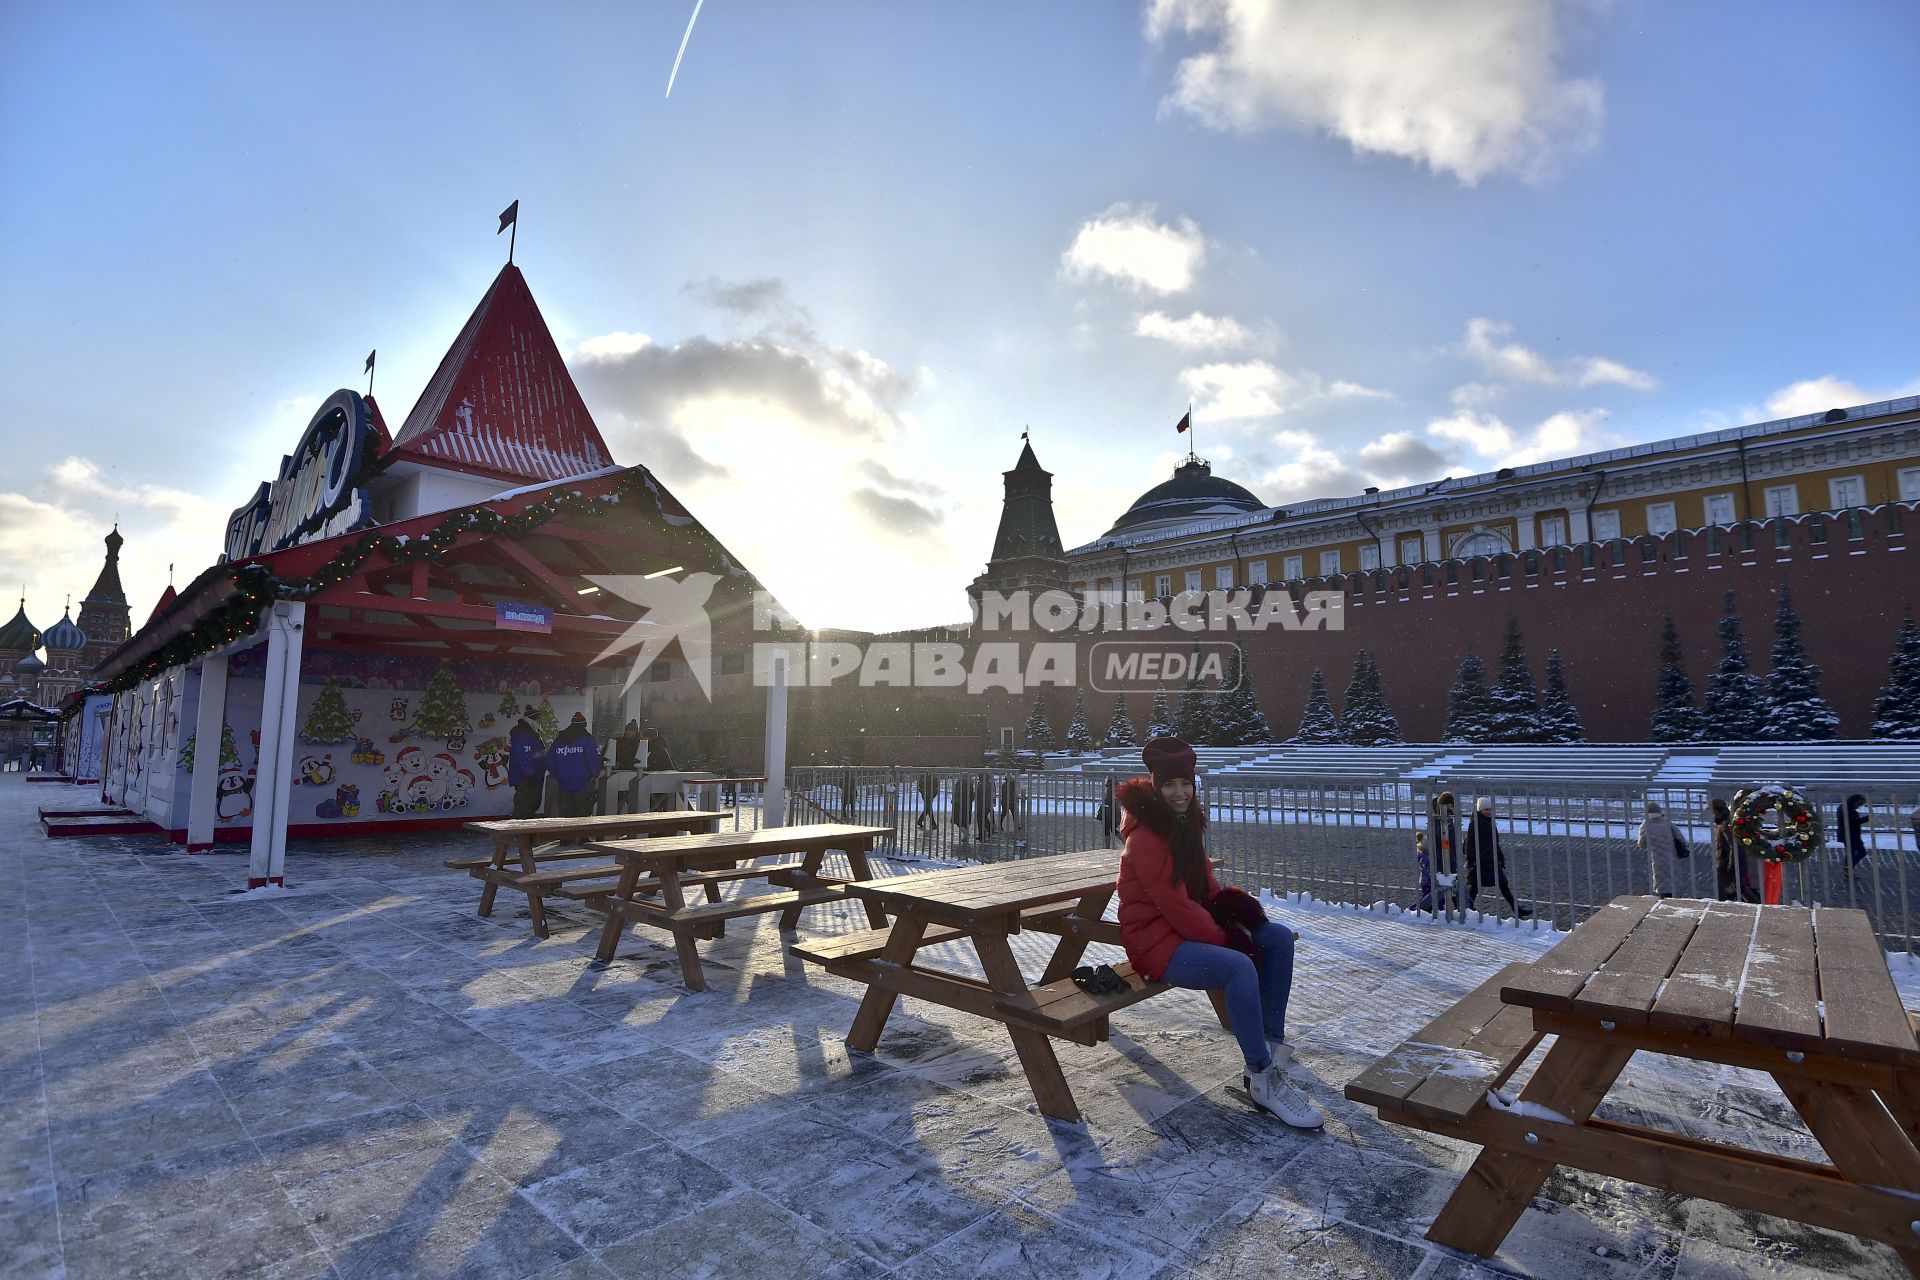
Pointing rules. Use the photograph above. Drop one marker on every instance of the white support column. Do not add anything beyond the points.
(773, 804)
(285, 623)
(211, 715)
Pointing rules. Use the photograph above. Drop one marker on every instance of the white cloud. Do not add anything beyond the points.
(611, 346)
(1471, 90)
(1317, 470)
(1817, 395)
(1259, 389)
(1201, 332)
(1486, 344)
(1474, 395)
(1126, 245)
(1401, 458)
(1565, 434)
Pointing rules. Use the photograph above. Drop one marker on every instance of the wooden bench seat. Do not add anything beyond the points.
(716, 912)
(725, 876)
(1445, 1070)
(548, 878)
(541, 853)
(1063, 1009)
(869, 943)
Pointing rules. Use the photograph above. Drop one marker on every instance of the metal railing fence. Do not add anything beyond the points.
(1569, 848)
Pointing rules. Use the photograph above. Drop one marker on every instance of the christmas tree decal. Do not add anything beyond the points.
(545, 723)
(1896, 712)
(443, 711)
(1160, 720)
(1038, 733)
(1795, 711)
(1559, 722)
(509, 708)
(329, 720)
(1317, 724)
(1516, 709)
(1120, 730)
(229, 753)
(1735, 709)
(1365, 720)
(1079, 736)
(1469, 705)
(1675, 718)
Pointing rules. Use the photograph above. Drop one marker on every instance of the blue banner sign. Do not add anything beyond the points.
(508, 616)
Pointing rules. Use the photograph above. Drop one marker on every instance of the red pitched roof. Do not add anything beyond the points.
(502, 403)
(167, 597)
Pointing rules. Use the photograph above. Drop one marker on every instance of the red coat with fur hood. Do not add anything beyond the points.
(1156, 912)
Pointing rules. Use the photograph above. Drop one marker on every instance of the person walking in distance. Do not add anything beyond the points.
(1735, 878)
(1485, 860)
(1170, 933)
(1443, 853)
(1662, 844)
(526, 766)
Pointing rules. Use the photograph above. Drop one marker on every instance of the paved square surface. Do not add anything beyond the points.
(359, 1077)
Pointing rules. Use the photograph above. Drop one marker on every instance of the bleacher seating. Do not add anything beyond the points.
(1570, 762)
(1864, 764)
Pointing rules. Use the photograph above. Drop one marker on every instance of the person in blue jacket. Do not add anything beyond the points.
(526, 767)
(574, 762)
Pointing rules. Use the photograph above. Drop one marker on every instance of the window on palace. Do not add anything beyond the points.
(1606, 525)
(1909, 484)
(1006, 737)
(1137, 591)
(1660, 519)
(1257, 572)
(1413, 550)
(1719, 508)
(1293, 568)
(1783, 500)
(1222, 579)
(662, 670)
(733, 664)
(1163, 584)
(1481, 542)
(1847, 491)
(1370, 556)
(1553, 531)
(1329, 562)
(1193, 580)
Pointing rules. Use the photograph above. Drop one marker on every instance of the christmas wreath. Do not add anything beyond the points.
(1775, 823)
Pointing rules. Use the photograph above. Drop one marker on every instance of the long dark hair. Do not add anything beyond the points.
(1188, 844)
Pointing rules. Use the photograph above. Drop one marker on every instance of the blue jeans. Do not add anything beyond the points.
(1256, 997)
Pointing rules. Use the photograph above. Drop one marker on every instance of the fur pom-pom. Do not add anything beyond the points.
(1236, 906)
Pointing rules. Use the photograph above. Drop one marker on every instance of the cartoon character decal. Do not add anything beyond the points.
(398, 711)
(388, 801)
(491, 756)
(315, 771)
(419, 794)
(233, 794)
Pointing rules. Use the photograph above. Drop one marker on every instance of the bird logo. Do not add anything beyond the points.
(676, 610)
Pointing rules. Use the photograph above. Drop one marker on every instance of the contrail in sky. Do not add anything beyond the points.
(683, 46)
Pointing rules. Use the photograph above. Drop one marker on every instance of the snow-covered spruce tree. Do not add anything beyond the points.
(1734, 705)
(1238, 720)
(1120, 730)
(1896, 712)
(1469, 705)
(1795, 711)
(1516, 707)
(1193, 722)
(1559, 722)
(1365, 721)
(1160, 719)
(1038, 733)
(1079, 737)
(1317, 724)
(1675, 718)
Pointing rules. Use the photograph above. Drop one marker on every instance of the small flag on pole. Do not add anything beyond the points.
(370, 356)
(1186, 420)
(509, 216)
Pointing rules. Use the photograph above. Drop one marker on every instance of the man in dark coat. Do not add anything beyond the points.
(574, 762)
(962, 811)
(526, 767)
(1109, 820)
(1486, 861)
(929, 792)
(1850, 825)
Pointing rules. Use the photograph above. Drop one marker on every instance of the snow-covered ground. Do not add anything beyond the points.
(356, 1076)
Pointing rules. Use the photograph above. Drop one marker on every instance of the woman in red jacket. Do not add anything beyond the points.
(1166, 879)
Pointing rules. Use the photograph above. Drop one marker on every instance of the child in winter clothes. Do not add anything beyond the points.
(1166, 882)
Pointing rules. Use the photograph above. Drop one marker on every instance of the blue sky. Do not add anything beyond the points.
(823, 288)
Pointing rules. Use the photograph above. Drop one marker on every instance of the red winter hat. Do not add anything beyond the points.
(1168, 758)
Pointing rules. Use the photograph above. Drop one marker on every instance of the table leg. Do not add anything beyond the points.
(1037, 1058)
(1904, 1101)
(1067, 956)
(809, 872)
(489, 888)
(1572, 1079)
(877, 1005)
(857, 860)
(617, 913)
(673, 899)
(1866, 1143)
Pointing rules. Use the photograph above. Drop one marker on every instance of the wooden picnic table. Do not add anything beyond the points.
(670, 865)
(549, 840)
(1801, 994)
(1064, 894)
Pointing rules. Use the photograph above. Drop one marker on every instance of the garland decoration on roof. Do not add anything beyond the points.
(256, 585)
(1775, 823)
